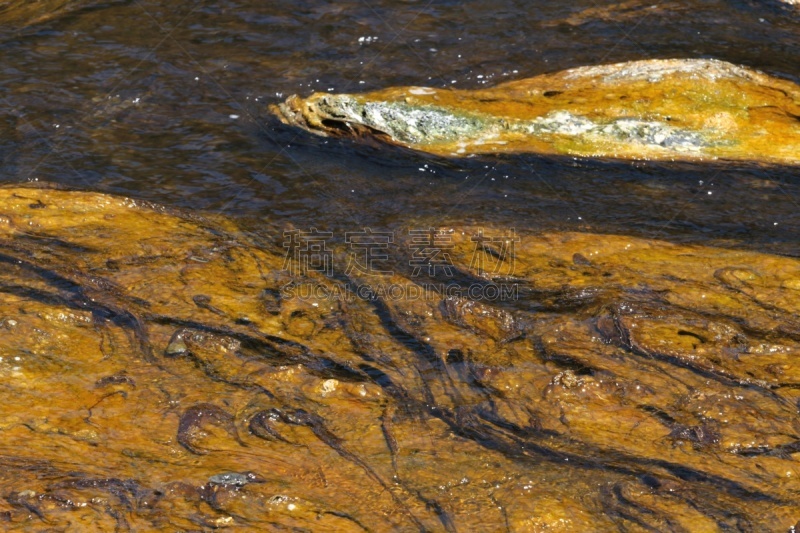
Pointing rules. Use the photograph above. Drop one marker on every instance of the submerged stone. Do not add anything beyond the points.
(655, 109)
(566, 382)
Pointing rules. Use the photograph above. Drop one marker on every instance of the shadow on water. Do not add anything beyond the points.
(729, 204)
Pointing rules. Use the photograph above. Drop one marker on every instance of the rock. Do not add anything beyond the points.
(696, 109)
(614, 383)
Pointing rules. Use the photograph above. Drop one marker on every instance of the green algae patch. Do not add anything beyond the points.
(678, 109)
(162, 371)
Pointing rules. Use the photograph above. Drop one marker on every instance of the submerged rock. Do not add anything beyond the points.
(572, 382)
(654, 109)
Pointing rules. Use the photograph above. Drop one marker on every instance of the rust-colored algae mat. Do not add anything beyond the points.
(162, 372)
(676, 109)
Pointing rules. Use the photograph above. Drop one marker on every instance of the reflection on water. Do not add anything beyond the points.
(166, 102)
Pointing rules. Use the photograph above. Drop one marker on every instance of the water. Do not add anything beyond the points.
(167, 102)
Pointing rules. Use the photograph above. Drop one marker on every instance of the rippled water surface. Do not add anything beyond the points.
(449, 415)
(167, 101)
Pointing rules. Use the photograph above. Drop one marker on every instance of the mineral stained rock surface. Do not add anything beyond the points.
(166, 372)
(672, 109)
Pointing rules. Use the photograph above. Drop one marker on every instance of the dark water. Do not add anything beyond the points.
(166, 101)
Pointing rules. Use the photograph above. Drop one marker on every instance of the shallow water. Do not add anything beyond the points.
(167, 102)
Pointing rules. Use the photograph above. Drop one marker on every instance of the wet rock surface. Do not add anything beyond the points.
(676, 109)
(164, 371)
